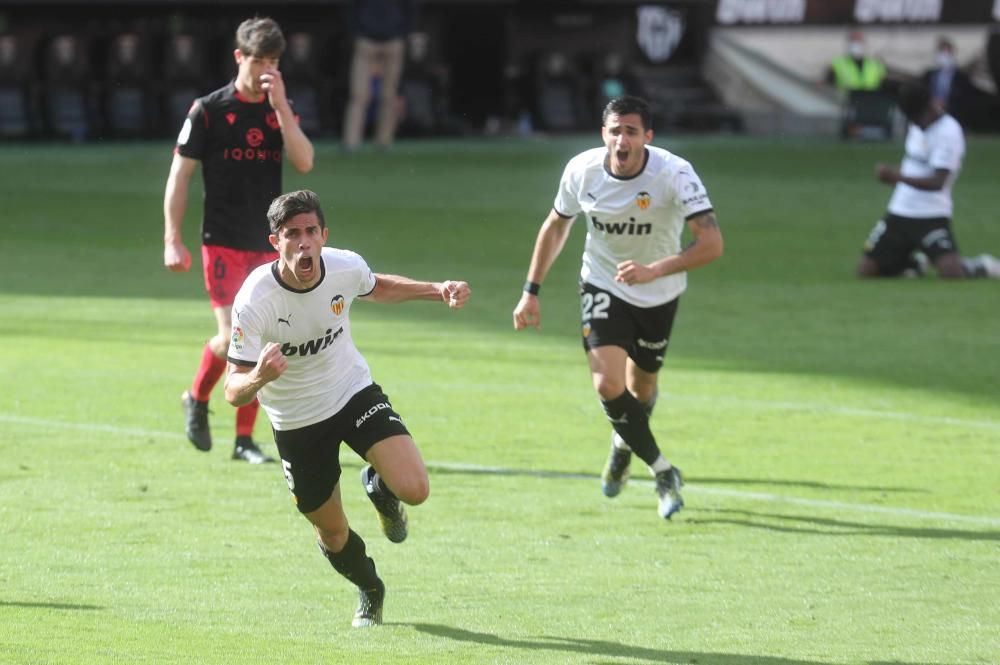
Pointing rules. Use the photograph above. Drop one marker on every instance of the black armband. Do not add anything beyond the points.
(532, 288)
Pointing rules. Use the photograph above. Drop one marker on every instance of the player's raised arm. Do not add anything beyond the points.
(549, 243)
(297, 145)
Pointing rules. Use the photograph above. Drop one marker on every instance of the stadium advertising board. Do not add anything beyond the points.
(864, 12)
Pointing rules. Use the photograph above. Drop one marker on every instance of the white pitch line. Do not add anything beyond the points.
(804, 407)
(737, 494)
(902, 416)
(86, 427)
(505, 471)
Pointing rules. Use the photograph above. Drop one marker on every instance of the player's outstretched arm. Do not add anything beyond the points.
(242, 383)
(548, 244)
(395, 288)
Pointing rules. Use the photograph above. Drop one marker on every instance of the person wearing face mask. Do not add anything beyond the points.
(860, 80)
(855, 69)
(951, 88)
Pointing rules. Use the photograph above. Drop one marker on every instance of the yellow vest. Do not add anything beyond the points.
(849, 77)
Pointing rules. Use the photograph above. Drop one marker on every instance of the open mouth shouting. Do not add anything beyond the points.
(621, 156)
(305, 269)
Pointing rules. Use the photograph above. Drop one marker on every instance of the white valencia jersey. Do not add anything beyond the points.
(639, 218)
(940, 146)
(313, 327)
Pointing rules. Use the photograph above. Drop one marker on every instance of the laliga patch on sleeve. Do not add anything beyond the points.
(185, 134)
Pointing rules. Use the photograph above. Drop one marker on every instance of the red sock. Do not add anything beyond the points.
(246, 416)
(209, 371)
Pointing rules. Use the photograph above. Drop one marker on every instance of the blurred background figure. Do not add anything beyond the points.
(380, 28)
(425, 92)
(945, 80)
(129, 108)
(305, 80)
(861, 79)
(614, 79)
(855, 69)
(16, 89)
(955, 92)
(68, 93)
(917, 227)
(559, 94)
(184, 75)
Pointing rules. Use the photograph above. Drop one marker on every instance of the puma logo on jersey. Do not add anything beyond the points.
(313, 346)
(287, 322)
(622, 228)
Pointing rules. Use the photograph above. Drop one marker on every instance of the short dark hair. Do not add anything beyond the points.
(260, 37)
(291, 204)
(629, 104)
(914, 99)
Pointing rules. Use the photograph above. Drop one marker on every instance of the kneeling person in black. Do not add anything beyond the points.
(917, 227)
(292, 348)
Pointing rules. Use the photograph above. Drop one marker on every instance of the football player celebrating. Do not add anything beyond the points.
(291, 346)
(635, 199)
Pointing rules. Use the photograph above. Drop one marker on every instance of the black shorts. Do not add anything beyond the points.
(895, 238)
(310, 455)
(643, 332)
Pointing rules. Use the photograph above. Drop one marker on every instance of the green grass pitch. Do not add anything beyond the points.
(841, 440)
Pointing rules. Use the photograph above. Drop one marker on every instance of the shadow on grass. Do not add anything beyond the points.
(808, 484)
(617, 650)
(49, 606)
(444, 468)
(835, 527)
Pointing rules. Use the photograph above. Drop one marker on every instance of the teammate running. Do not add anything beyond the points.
(238, 134)
(635, 199)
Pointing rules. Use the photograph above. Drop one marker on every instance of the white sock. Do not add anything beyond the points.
(620, 443)
(659, 464)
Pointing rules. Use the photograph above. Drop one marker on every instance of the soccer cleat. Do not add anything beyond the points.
(668, 485)
(990, 265)
(615, 473)
(391, 515)
(196, 414)
(246, 450)
(919, 266)
(369, 612)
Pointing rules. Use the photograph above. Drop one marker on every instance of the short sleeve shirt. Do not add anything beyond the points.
(313, 328)
(640, 218)
(940, 146)
(239, 145)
